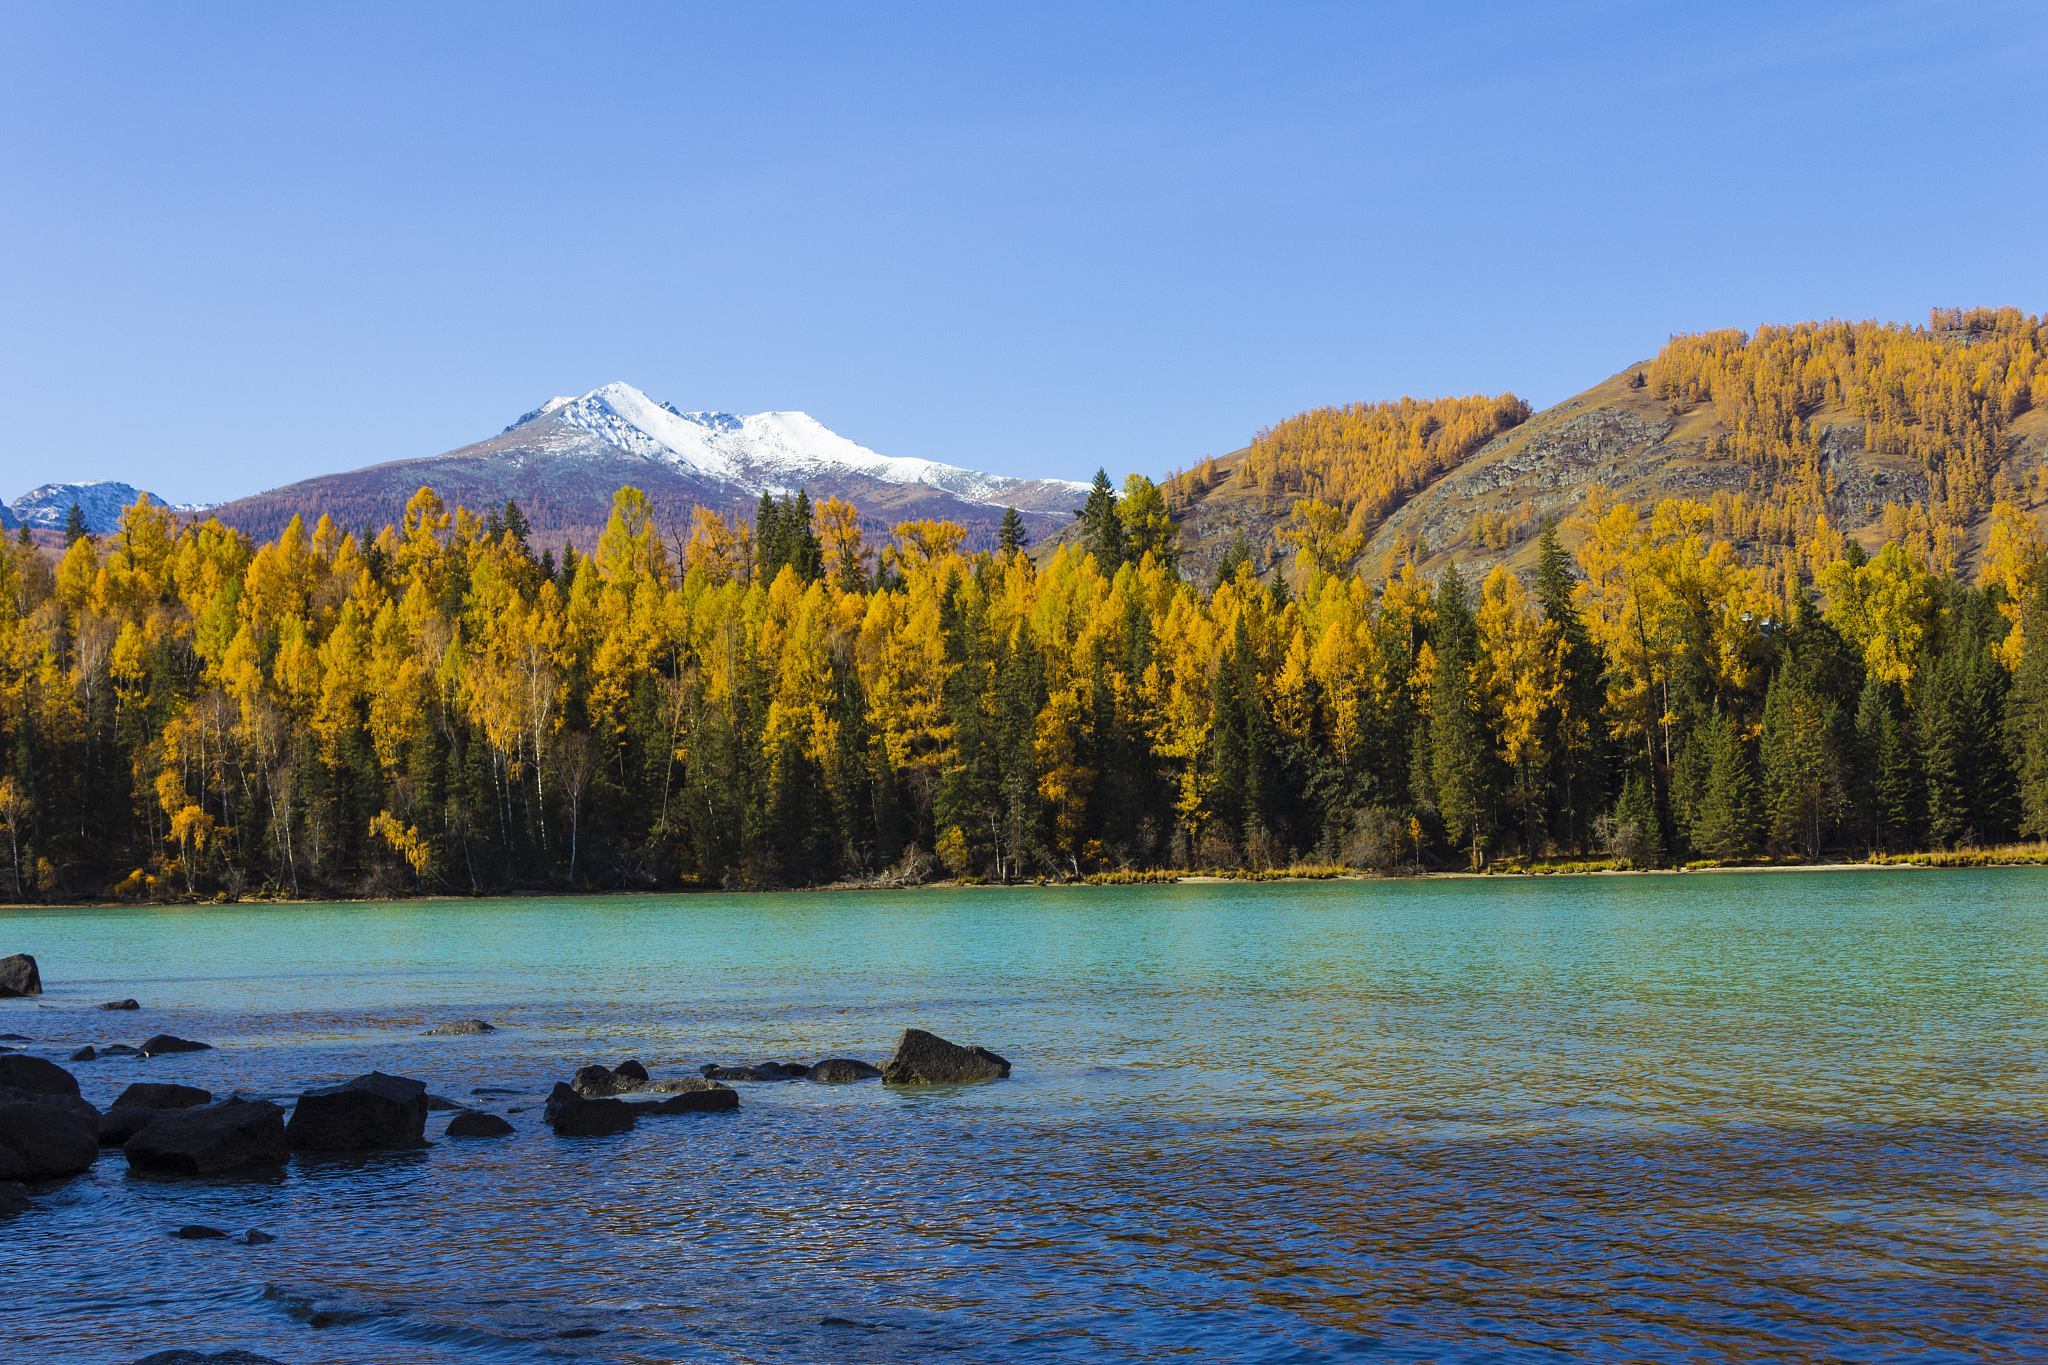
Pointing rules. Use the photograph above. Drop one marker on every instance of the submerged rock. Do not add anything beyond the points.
(256, 1237)
(218, 1137)
(927, 1059)
(120, 1050)
(118, 1005)
(18, 976)
(164, 1043)
(842, 1071)
(572, 1115)
(13, 1194)
(440, 1104)
(476, 1123)
(46, 1140)
(766, 1071)
(197, 1358)
(460, 1028)
(370, 1113)
(711, 1100)
(680, 1085)
(85, 1054)
(199, 1232)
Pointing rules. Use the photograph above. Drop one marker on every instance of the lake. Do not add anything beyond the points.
(1702, 1118)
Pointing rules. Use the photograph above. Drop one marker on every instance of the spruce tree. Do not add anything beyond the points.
(1728, 823)
(2026, 718)
(1011, 538)
(74, 526)
(770, 551)
(1239, 553)
(1458, 744)
(800, 538)
(1102, 530)
(1574, 726)
(1637, 837)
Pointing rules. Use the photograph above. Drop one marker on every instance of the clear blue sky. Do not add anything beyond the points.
(247, 244)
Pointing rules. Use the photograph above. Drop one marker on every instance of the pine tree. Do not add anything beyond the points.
(1102, 530)
(800, 538)
(771, 551)
(1635, 835)
(1239, 553)
(2026, 719)
(1458, 744)
(1728, 823)
(74, 526)
(1942, 758)
(1574, 726)
(1011, 538)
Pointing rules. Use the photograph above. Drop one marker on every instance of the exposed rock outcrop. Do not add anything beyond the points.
(842, 1071)
(370, 1113)
(459, 1028)
(476, 1123)
(164, 1043)
(118, 1005)
(48, 1141)
(572, 1115)
(217, 1137)
(927, 1059)
(19, 976)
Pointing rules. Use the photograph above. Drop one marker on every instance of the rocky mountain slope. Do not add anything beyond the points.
(564, 460)
(101, 500)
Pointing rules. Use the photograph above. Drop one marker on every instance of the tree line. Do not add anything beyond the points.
(437, 707)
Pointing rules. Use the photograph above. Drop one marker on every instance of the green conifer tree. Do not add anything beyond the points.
(1728, 825)
(1011, 537)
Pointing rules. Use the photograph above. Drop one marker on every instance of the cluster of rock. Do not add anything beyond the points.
(588, 1105)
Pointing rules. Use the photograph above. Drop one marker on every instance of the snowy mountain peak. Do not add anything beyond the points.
(100, 500)
(768, 451)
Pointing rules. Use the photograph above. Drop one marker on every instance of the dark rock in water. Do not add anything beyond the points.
(218, 1137)
(679, 1085)
(15, 1038)
(715, 1100)
(496, 1090)
(118, 1005)
(197, 1358)
(256, 1237)
(12, 1167)
(571, 1115)
(198, 1232)
(13, 1194)
(459, 1028)
(159, 1095)
(85, 1054)
(927, 1059)
(370, 1113)
(120, 1050)
(842, 1070)
(771, 1071)
(118, 1125)
(165, 1043)
(48, 1140)
(597, 1082)
(476, 1123)
(631, 1070)
(74, 1105)
(18, 976)
(438, 1104)
(36, 1076)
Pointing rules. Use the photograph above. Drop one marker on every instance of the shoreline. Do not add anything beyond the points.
(1083, 884)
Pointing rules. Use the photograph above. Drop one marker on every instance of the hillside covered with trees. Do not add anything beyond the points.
(778, 701)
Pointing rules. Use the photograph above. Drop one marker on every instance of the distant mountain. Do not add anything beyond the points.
(563, 461)
(101, 500)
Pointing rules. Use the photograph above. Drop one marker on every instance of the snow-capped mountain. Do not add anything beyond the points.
(769, 451)
(101, 500)
(563, 461)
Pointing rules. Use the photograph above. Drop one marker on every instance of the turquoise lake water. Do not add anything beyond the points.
(1700, 1118)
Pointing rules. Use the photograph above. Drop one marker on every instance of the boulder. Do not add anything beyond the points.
(18, 976)
(158, 1095)
(256, 1237)
(116, 1126)
(118, 1005)
(714, 1100)
(120, 1050)
(927, 1059)
(441, 1104)
(198, 1358)
(74, 1105)
(164, 1043)
(12, 1167)
(15, 1038)
(13, 1194)
(85, 1054)
(767, 1071)
(217, 1137)
(842, 1070)
(35, 1076)
(572, 1115)
(597, 1082)
(476, 1123)
(459, 1028)
(199, 1232)
(49, 1141)
(370, 1113)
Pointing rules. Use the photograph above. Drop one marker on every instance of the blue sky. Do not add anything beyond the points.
(247, 244)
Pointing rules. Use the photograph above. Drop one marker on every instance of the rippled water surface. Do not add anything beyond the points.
(1705, 1118)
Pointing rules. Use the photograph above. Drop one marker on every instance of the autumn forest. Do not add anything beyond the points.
(442, 706)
